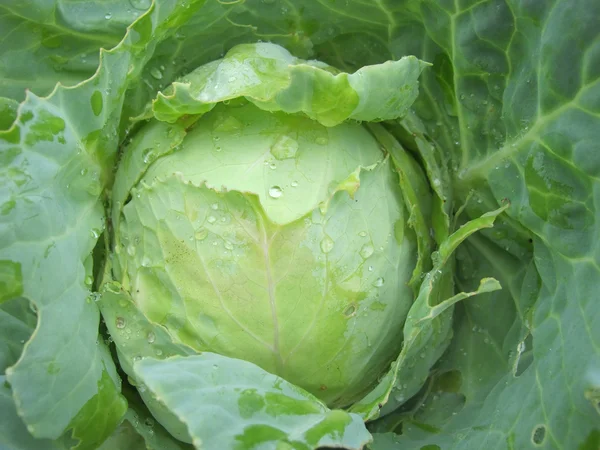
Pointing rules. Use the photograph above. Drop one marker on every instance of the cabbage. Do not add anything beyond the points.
(293, 225)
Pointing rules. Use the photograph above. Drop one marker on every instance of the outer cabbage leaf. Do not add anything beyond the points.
(208, 391)
(274, 80)
(44, 43)
(55, 159)
(513, 94)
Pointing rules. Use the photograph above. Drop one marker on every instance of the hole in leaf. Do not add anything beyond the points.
(538, 435)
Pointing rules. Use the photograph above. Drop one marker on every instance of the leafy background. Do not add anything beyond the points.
(511, 104)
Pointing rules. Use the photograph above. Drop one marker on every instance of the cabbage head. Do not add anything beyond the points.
(299, 225)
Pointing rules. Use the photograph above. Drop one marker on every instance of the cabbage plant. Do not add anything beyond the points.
(260, 224)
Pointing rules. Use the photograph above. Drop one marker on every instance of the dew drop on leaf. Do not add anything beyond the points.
(120, 323)
(151, 337)
(148, 155)
(327, 244)
(366, 251)
(201, 234)
(275, 192)
(284, 147)
(156, 73)
(379, 282)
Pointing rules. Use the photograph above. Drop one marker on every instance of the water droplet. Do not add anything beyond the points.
(350, 310)
(214, 206)
(201, 234)
(149, 422)
(84, 171)
(366, 251)
(151, 337)
(95, 232)
(285, 147)
(148, 155)
(156, 73)
(228, 245)
(363, 234)
(322, 140)
(294, 183)
(272, 166)
(379, 282)
(131, 250)
(158, 352)
(120, 322)
(275, 192)
(370, 268)
(211, 219)
(108, 16)
(327, 244)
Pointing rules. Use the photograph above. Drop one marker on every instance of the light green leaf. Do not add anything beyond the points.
(229, 403)
(225, 274)
(59, 151)
(135, 338)
(415, 191)
(427, 330)
(274, 80)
